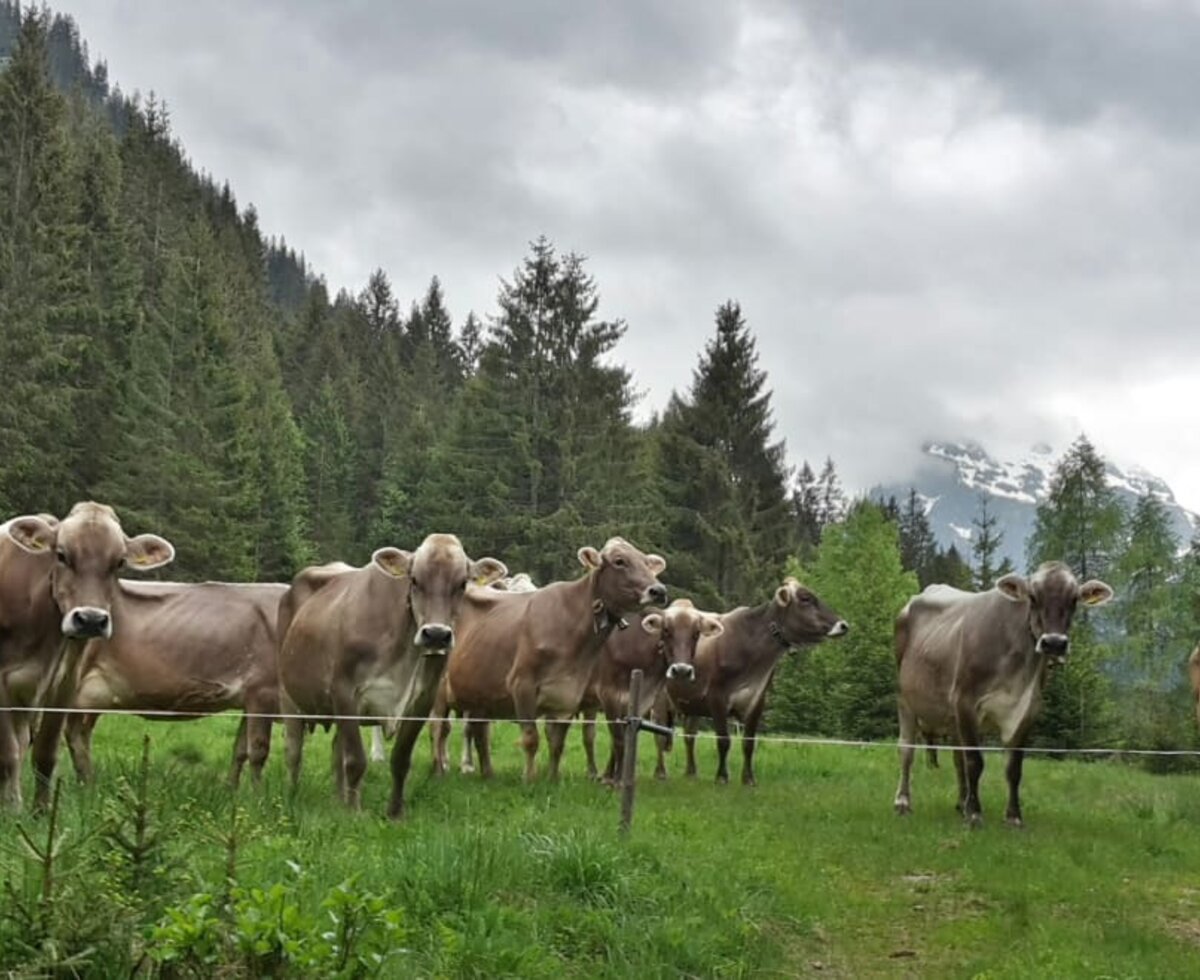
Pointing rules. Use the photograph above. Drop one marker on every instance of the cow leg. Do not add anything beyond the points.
(968, 735)
(241, 752)
(556, 738)
(402, 750)
(1012, 770)
(479, 732)
(663, 743)
(10, 760)
(354, 762)
(525, 702)
(690, 727)
(960, 775)
(258, 733)
(45, 756)
(931, 759)
(750, 742)
(439, 738)
(79, 744)
(466, 759)
(589, 742)
(721, 727)
(337, 764)
(616, 752)
(908, 733)
(293, 748)
(378, 744)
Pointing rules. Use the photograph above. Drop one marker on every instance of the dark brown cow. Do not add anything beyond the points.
(970, 661)
(372, 642)
(1194, 674)
(195, 648)
(58, 589)
(530, 655)
(660, 645)
(734, 671)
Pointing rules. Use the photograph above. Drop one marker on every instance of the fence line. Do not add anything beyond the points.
(153, 713)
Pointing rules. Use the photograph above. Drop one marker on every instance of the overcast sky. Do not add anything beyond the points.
(943, 219)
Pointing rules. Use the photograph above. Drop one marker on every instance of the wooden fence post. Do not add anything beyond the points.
(629, 766)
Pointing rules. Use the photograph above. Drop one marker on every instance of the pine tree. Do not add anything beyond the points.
(1145, 573)
(806, 504)
(726, 479)
(985, 544)
(918, 548)
(832, 507)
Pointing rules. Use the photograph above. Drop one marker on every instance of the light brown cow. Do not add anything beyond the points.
(734, 671)
(662, 646)
(195, 648)
(529, 655)
(58, 589)
(1194, 674)
(372, 642)
(969, 661)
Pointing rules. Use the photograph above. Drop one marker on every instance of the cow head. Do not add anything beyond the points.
(438, 573)
(679, 628)
(89, 549)
(624, 579)
(801, 617)
(1052, 594)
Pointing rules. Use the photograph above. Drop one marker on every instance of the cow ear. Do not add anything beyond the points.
(1013, 587)
(656, 563)
(148, 551)
(711, 626)
(1095, 593)
(590, 558)
(485, 571)
(32, 534)
(393, 561)
(783, 595)
(652, 623)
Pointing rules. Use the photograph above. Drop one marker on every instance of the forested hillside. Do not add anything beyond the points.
(161, 352)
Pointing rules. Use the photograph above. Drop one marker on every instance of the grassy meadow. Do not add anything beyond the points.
(808, 873)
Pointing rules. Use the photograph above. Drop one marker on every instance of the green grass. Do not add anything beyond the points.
(810, 872)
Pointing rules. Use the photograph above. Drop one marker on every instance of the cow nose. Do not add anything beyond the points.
(656, 595)
(87, 621)
(435, 636)
(840, 628)
(1054, 644)
(681, 672)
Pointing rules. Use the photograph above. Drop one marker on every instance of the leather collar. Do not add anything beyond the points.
(603, 621)
(777, 635)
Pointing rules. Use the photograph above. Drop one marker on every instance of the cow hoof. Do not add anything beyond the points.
(749, 781)
(1015, 822)
(974, 821)
(467, 769)
(903, 807)
(722, 780)
(660, 775)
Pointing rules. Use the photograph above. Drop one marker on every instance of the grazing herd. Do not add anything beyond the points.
(431, 632)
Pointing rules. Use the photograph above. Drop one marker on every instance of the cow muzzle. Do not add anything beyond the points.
(681, 672)
(86, 623)
(434, 639)
(1055, 646)
(840, 628)
(655, 595)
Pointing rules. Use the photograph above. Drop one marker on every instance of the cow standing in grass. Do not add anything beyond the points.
(734, 671)
(373, 642)
(663, 647)
(58, 590)
(532, 655)
(971, 661)
(190, 648)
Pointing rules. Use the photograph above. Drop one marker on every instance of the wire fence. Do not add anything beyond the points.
(815, 740)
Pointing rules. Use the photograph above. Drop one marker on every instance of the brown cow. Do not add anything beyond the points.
(968, 661)
(664, 647)
(1194, 674)
(532, 654)
(58, 589)
(734, 671)
(372, 642)
(195, 648)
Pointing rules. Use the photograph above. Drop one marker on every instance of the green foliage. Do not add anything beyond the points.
(847, 687)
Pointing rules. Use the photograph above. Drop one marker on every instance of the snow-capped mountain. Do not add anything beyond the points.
(953, 475)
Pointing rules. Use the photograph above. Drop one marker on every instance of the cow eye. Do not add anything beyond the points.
(619, 562)
(61, 555)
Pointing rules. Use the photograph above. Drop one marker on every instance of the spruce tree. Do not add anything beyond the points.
(985, 544)
(918, 548)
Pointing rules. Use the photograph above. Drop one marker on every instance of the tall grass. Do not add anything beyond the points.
(810, 872)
